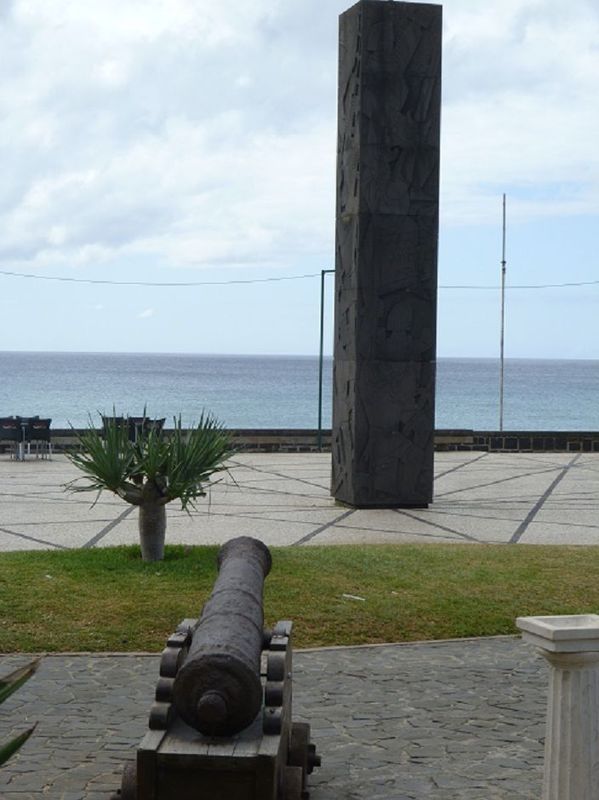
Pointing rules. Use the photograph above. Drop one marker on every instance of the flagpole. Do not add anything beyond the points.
(502, 335)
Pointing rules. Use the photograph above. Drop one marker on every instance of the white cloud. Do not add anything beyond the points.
(519, 109)
(243, 81)
(201, 133)
(112, 73)
(146, 313)
(57, 235)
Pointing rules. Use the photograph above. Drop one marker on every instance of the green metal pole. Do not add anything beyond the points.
(502, 335)
(323, 272)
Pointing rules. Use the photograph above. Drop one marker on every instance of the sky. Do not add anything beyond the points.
(193, 141)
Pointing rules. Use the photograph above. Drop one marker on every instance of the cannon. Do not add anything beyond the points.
(220, 725)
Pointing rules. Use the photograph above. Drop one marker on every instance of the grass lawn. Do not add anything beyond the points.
(108, 600)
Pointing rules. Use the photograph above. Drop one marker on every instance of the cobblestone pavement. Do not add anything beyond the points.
(442, 721)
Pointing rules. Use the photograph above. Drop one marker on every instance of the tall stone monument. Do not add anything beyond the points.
(386, 253)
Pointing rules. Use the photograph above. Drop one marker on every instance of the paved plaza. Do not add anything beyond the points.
(283, 499)
(459, 720)
(435, 721)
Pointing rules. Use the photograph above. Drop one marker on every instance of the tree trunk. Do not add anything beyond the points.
(152, 528)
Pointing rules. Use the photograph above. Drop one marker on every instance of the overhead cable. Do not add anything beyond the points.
(523, 286)
(271, 279)
(152, 283)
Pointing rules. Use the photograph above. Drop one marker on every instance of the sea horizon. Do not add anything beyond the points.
(281, 391)
(276, 355)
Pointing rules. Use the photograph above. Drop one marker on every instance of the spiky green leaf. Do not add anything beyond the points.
(14, 680)
(156, 468)
(10, 748)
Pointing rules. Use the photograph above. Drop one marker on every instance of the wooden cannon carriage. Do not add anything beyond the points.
(220, 727)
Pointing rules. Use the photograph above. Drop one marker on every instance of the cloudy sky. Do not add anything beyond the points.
(193, 141)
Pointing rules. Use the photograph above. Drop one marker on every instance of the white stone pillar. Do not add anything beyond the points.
(571, 646)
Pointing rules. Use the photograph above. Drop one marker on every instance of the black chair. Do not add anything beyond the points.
(38, 433)
(25, 423)
(11, 432)
(107, 421)
(140, 425)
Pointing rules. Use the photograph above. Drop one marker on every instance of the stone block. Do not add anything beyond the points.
(400, 249)
(389, 73)
(383, 453)
(400, 329)
(388, 180)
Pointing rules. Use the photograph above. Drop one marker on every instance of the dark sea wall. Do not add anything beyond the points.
(294, 440)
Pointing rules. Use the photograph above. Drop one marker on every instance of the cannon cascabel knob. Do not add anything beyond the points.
(212, 708)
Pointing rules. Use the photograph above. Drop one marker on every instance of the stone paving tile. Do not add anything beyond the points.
(564, 518)
(12, 541)
(339, 534)
(507, 487)
(544, 532)
(471, 509)
(260, 498)
(215, 530)
(431, 523)
(318, 516)
(62, 510)
(74, 534)
(265, 485)
(435, 721)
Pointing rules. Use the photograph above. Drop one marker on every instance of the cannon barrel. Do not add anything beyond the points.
(217, 690)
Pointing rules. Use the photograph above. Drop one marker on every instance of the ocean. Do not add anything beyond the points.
(282, 392)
